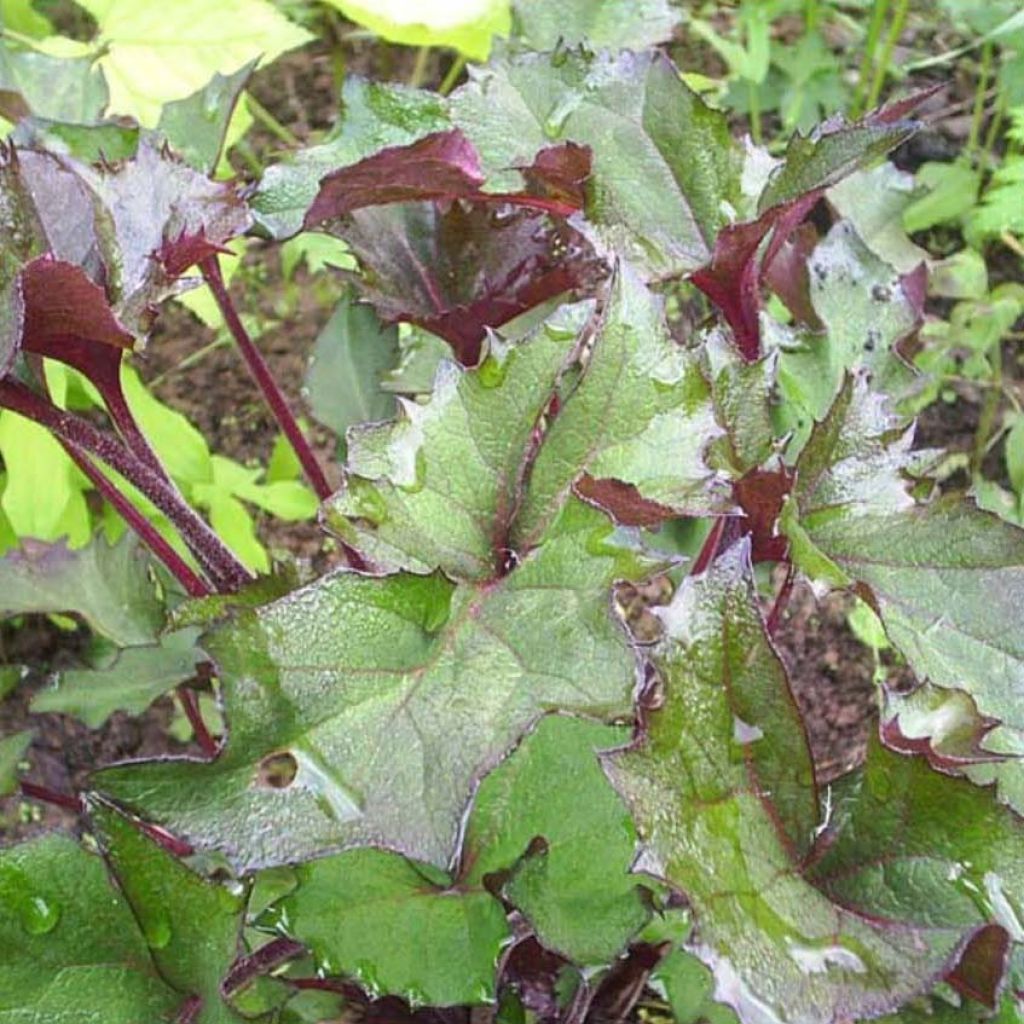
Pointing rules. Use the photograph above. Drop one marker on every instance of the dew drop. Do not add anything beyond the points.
(38, 915)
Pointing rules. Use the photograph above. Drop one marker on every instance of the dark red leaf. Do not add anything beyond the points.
(440, 166)
(623, 502)
(60, 300)
(761, 494)
(560, 173)
(457, 269)
(443, 167)
(982, 965)
(732, 280)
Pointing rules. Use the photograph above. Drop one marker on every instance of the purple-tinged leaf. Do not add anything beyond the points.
(440, 166)
(458, 269)
(451, 258)
(720, 787)
(852, 522)
(166, 216)
(62, 302)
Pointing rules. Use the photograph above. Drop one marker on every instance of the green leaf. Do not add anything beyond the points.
(615, 24)
(399, 930)
(439, 488)
(362, 710)
(153, 52)
(946, 725)
(56, 88)
(197, 125)
(433, 490)
(12, 750)
(131, 682)
(108, 585)
(865, 311)
(913, 845)
(576, 890)
(192, 926)
(182, 448)
(720, 789)
(662, 180)
(23, 18)
(352, 353)
(828, 154)
(42, 498)
(640, 416)
(873, 201)
(855, 513)
(70, 949)
(374, 115)
(952, 190)
(374, 916)
(1014, 454)
(468, 26)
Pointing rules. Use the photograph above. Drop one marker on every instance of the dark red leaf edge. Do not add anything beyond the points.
(733, 277)
(444, 169)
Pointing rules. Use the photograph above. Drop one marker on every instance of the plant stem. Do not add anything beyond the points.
(225, 571)
(51, 796)
(754, 97)
(898, 20)
(190, 705)
(867, 64)
(781, 600)
(811, 14)
(710, 546)
(419, 69)
(452, 76)
(264, 380)
(989, 412)
(978, 113)
(271, 123)
(142, 527)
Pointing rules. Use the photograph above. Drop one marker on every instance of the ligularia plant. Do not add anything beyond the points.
(465, 769)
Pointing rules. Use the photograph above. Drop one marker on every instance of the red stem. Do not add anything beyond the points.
(261, 374)
(194, 585)
(225, 571)
(51, 796)
(781, 600)
(189, 701)
(710, 546)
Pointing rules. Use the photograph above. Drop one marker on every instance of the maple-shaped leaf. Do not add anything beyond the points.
(719, 787)
(363, 711)
(70, 947)
(946, 578)
(453, 259)
(459, 483)
(192, 926)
